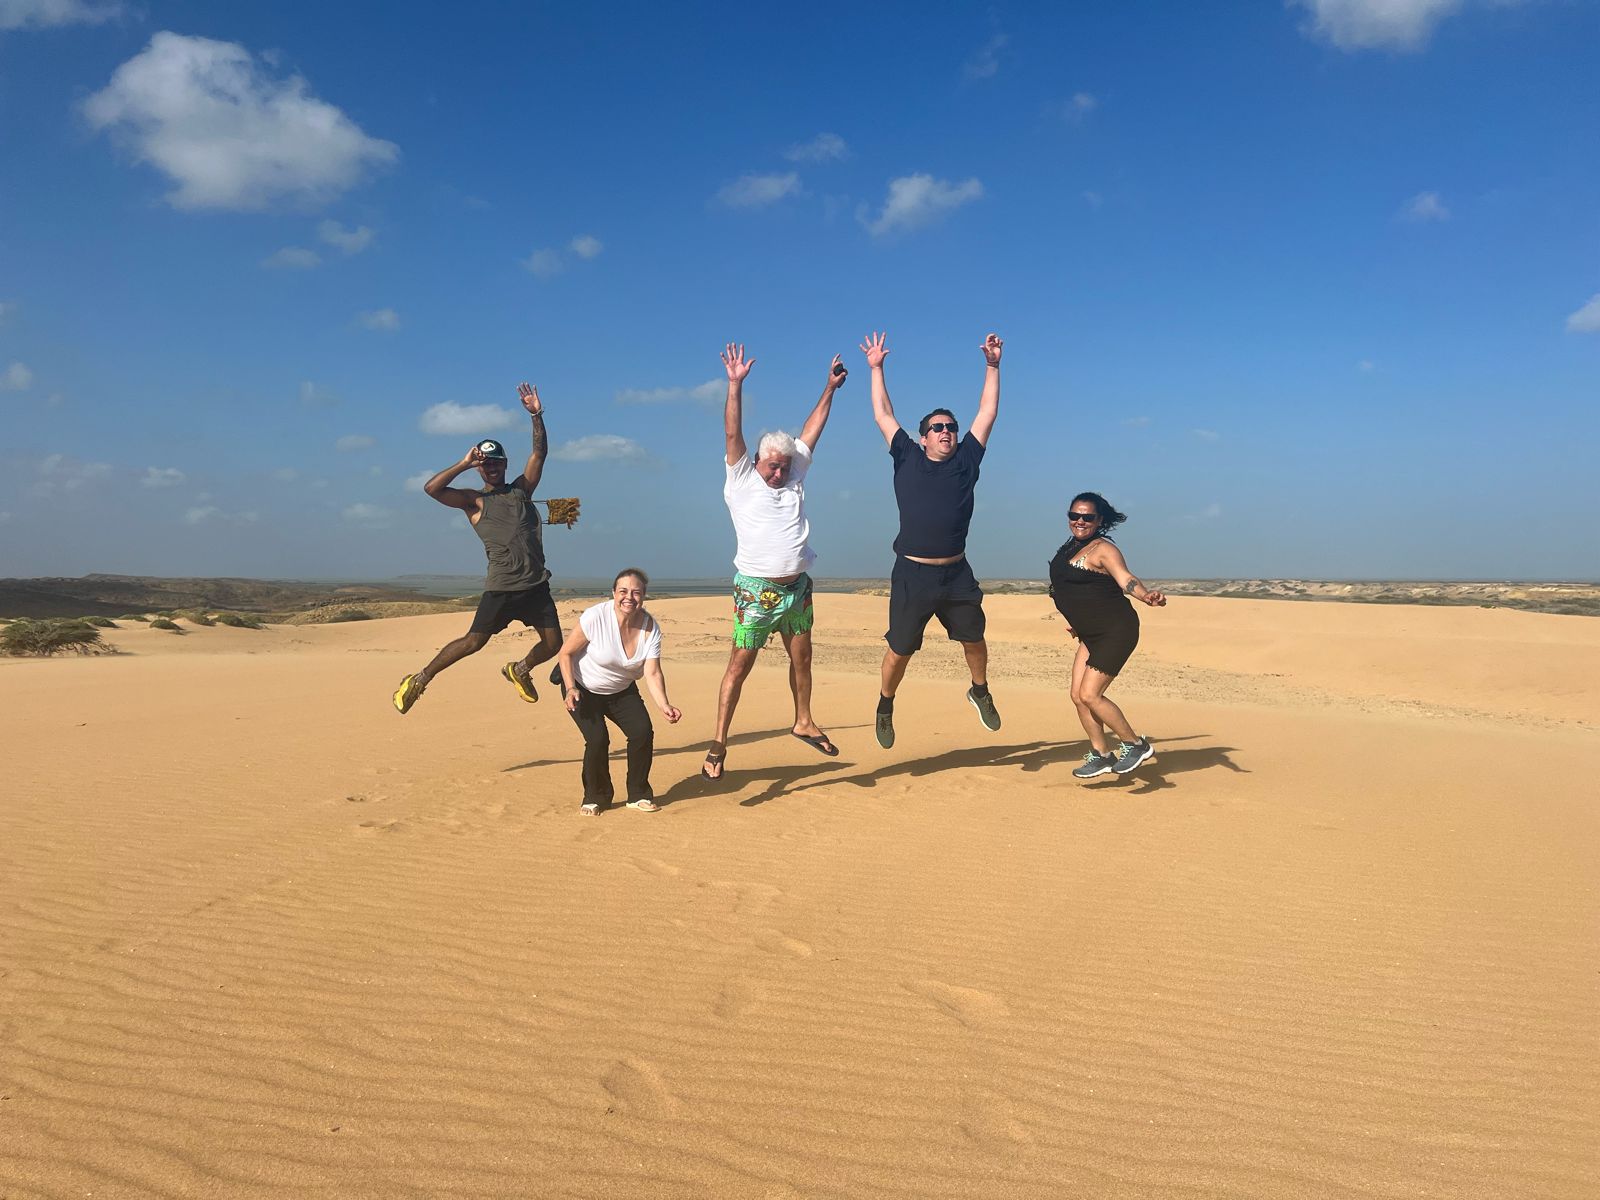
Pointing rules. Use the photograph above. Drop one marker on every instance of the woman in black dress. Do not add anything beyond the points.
(1091, 584)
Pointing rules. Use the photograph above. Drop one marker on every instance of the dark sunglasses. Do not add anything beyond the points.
(1073, 518)
(941, 426)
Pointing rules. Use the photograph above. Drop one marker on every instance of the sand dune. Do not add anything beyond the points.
(261, 936)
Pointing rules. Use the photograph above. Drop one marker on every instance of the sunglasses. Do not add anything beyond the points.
(1074, 518)
(942, 426)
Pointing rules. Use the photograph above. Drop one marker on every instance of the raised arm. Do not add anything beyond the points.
(737, 367)
(989, 402)
(656, 684)
(882, 411)
(451, 497)
(819, 415)
(1114, 565)
(531, 473)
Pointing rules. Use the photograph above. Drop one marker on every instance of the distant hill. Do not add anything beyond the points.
(114, 595)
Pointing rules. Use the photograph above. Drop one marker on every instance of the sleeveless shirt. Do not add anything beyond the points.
(513, 540)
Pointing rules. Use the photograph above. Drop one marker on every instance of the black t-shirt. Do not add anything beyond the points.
(935, 498)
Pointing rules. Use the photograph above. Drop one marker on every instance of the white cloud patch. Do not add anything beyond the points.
(285, 475)
(544, 263)
(1366, 365)
(200, 514)
(228, 134)
(46, 14)
(162, 477)
(601, 447)
(414, 483)
(16, 378)
(1587, 318)
(7, 307)
(1376, 24)
(1136, 422)
(985, 64)
(1207, 435)
(1076, 107)
(918, 200)
(313, 396)
(349, 241)
(586, 245)
(355, 441)
(1209, 513)
(292, 258)
(366, 514)
(380, 320)
(757, 191)
(1426, 206)
(452, 419)
(825, 147)
(204, 514)
(713, 391)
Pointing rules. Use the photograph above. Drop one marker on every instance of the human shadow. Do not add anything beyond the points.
(619, 748)
(1152, 776)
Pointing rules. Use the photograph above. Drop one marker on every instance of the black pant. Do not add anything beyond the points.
(627, 711)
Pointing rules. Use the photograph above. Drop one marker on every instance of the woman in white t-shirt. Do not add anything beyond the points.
(614, 645)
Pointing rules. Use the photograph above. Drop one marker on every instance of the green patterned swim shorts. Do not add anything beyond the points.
(761, 606)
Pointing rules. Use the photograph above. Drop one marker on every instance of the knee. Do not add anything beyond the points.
(475, 641)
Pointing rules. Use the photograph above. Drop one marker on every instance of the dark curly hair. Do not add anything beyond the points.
(1110, 518)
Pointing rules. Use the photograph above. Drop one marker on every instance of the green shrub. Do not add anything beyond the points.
(100, 622)
(199, 618)
(349, 614)
(163, 623)
(52, 637)
(239, 621)
(133, 617)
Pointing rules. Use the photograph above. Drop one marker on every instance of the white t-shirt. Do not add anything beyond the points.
(770, 523)
(601, 666)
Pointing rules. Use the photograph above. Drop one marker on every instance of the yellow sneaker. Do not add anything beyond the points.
(407, 694)
(522, 682)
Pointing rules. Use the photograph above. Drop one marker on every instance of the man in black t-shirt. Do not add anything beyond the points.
(934, 480)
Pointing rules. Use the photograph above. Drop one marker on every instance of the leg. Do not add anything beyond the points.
(1104, 709)
(1092, 724)
(452, 653)
(892, 672)
(545, 649)
(798, 646)
(740, 662)
(591, 722)
(977, 661)
(627, 710)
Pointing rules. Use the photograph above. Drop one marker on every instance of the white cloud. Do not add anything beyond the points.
(599, 447)
(43, 14)
(1365, 365)
(201, 514)
(586, 245)
(1376, 24)
(16, 378)
(230, 136)
(351, 241)
(313, 396)
(454, 419)
(7, 307)
(162, 477)
(286, 475)
(383, 320)
(414, 483)
(4, 517)
(355, 441)
(543, 263)
(1209, 513)
(1207, 435)
(754, 191)
(1093, 199)
(985, 64)
(292, 258)
(713, 391)
(1587, 318)
(825, 147)
(1076, 107)
(1426, 206)
(917, 200)
(1136, 422)
(366, 514)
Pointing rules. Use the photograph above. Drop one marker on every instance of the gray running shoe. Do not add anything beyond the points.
(885, 729)
(1095, 763)
(1131, 754)
(987, 713)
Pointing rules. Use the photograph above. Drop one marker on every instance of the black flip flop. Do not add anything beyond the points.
(714, 759)
(819, 742)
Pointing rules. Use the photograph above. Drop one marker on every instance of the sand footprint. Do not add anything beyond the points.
(368, 827)
(749, 899)
(776, 942)
(654, 866)
(638, 1089)
(738, 996)
(988, 1122)
(969, 1006)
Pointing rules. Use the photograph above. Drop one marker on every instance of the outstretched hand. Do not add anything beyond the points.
(672, 715)
(529, 395)
(875, 350)
(1154, 599)
(992, 345)
(734, 361)
(837, 373)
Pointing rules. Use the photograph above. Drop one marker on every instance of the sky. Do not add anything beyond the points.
(1307, 289)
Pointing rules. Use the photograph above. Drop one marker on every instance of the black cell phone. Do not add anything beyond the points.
(838, 368)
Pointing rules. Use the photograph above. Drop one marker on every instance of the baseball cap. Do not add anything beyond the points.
(490, 448)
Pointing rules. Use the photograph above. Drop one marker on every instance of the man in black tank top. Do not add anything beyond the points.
(934, 481)
(518, 584)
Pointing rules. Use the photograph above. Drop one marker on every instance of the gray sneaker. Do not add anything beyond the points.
(987, 713)
(885, 729)
(1131, 754)
(1095, 763)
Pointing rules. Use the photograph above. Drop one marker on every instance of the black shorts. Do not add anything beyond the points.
(918, 591)
(534, 607)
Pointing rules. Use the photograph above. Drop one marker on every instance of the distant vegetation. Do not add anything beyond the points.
(239, 621)
(100, 622)
(164, 623)
(45, 638)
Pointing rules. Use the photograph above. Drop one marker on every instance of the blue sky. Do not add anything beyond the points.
(1307, 289)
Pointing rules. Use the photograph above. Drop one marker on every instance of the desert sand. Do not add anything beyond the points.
(260, 936)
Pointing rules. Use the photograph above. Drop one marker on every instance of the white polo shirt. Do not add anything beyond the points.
(770, 523)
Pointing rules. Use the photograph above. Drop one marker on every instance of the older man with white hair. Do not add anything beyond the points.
(771, 590)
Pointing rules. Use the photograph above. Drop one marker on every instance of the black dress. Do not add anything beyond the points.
(1095, 607)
